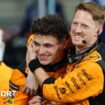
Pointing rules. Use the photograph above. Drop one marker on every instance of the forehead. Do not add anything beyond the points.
(83, 16)
(43, 39)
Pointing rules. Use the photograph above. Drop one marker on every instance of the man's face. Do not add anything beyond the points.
(83, 28)
(48, 50)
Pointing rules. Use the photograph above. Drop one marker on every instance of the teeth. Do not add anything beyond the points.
(77, 37)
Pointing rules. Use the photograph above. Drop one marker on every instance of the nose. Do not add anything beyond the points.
(41, 50)
(78, 29)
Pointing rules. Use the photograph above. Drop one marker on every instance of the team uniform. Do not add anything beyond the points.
(19, 75)
(18, 80)
(83, 83)
(16, 83)
(5, 74)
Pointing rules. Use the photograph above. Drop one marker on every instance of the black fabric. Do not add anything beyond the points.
(73, 57)
(22, 68)
(100, 99)
(100, 48)
(14, 86)
(57, 66)
(49, 80)
(34, 64)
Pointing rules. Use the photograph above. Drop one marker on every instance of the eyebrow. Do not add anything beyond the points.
(44, 43)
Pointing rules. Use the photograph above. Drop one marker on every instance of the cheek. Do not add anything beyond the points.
(71, 31)
(36, 51)
(54, 52)
(90, 34)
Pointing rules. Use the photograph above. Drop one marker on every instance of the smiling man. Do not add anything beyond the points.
(83, 84)
(48, 44)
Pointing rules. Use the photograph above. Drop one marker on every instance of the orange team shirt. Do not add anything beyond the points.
(5, 74)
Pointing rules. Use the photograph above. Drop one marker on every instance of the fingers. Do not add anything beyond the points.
(30, 88)
(36, 100)
(32, 92)
(31, 54)
(28, 91)
(34, 104)
(31, 46)
(24, 89)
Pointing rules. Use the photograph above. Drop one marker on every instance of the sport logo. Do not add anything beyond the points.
(9, 93)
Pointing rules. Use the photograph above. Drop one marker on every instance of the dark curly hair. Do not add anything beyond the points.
(50, 25)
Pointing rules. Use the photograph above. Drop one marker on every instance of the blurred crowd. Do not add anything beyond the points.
(15, 40)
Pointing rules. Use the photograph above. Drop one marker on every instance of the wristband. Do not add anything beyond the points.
(34, 64)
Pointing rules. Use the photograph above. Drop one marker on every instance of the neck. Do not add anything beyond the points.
(81, 49)
(60, 58)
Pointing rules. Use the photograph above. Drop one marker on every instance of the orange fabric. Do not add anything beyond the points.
(5, 74)
(79, 83)
(58, 73)
(19, 80)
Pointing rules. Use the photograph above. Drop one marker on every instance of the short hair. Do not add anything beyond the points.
(52, 25)
(97, 12)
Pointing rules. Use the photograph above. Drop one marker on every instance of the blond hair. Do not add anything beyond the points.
(97, 12)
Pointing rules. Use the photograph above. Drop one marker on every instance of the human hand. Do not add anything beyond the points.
(36, 100)
(30, 54)
(31, 85)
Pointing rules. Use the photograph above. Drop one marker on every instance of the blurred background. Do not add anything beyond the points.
(16, 17)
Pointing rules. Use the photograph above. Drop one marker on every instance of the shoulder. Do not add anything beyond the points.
(5, 67)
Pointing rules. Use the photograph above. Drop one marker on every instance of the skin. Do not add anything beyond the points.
(83, 27)
(48, 50)
(35, 101)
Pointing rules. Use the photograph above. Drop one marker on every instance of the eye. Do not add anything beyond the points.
(74, 23)
(48, 45)
(36, 44)
(84, 26)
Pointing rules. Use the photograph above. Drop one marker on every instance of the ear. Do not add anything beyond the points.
(100, 30)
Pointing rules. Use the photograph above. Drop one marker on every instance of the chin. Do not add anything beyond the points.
(76, 43)
(44, 62)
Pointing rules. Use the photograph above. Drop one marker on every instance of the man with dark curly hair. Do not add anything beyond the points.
(49, 46)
